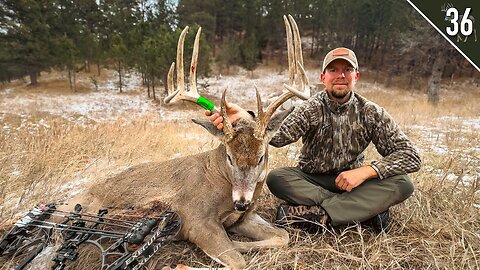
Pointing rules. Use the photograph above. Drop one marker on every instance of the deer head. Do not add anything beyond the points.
(244, 143)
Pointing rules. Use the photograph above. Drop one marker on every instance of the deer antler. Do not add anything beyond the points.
(446, 6)
(295, 61)
(228, 130)
(295, 66)
(190, 94)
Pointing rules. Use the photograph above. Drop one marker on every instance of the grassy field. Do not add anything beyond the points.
(52, 154)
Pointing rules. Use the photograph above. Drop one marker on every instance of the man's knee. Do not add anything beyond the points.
(404, 186)
(276, 181)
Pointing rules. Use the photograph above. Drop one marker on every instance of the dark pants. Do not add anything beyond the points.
(365, 201)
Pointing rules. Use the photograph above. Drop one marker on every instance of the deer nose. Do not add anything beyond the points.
(241, 206)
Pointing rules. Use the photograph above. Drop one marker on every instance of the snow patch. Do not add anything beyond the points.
(73, 187)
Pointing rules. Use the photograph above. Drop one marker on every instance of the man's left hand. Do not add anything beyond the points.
(351, 179)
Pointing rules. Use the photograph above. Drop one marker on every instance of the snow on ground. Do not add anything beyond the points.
(241, 87)
(107, 104)
(104, 105)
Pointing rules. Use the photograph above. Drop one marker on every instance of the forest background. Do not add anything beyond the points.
(390, 38)
(79, 103)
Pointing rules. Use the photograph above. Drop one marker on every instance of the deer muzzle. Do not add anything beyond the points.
(241, 200)
(241, 206)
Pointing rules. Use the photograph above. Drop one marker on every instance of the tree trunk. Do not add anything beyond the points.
(74, 80)
(312, 49)
(436, 77)
(153, 90)
(70, 78)
(148, 88)
(120, 76)
(370, 51)
(410, 80)
(98, 68)
(383, 52)
(33, 77)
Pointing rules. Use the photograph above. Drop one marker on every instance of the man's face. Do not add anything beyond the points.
(339, 79)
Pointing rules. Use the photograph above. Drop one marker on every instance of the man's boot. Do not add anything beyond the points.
(309, 218)
(380, 222)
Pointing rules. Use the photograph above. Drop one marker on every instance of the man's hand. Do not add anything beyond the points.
(234, 112)
(351, 179)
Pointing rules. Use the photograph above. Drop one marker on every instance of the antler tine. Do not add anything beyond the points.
(170, 87)
(290, 51)
(190, 94)
(259, 103)
(227, 125)
(297, 42)
(193, 65)
(273, 107)
(259, 129)
(295, 64)
(263, 121)
(305, 93)
(175, 95)
(180, 71)
(297, 93)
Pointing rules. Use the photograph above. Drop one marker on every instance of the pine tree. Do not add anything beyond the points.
(249, 52)
(28, 35)
(191, 12)
(67, 57)
(119, 55)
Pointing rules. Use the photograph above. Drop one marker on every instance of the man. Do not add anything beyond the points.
(330, 185)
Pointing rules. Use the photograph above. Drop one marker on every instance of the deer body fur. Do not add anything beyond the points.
(215, 191)
(200, 189)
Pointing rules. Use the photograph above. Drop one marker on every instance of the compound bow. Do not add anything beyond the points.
(32, 233)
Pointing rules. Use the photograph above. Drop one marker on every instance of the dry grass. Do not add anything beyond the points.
(34, 165)
(437, 228)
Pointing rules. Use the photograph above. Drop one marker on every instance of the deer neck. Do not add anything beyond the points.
(216, 166)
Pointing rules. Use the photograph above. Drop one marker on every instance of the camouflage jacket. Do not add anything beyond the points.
(335, 136)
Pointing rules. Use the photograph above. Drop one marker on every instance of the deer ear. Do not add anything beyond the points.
(275, 122)
(210, 127)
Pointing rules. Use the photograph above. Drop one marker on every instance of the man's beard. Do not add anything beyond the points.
(339, 94)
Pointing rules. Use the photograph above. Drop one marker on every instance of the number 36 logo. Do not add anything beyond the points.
(463, 22)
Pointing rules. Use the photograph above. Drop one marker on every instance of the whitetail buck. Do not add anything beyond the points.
(214, 191)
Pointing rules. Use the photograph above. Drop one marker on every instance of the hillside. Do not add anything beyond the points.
(55, 143)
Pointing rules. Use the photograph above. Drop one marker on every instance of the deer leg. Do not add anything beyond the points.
(213, 240)
(264, 234)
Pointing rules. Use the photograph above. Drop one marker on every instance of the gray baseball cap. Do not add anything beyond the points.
(340, 53)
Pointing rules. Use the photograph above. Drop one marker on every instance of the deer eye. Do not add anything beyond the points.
(261, 159)
(230, 160)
